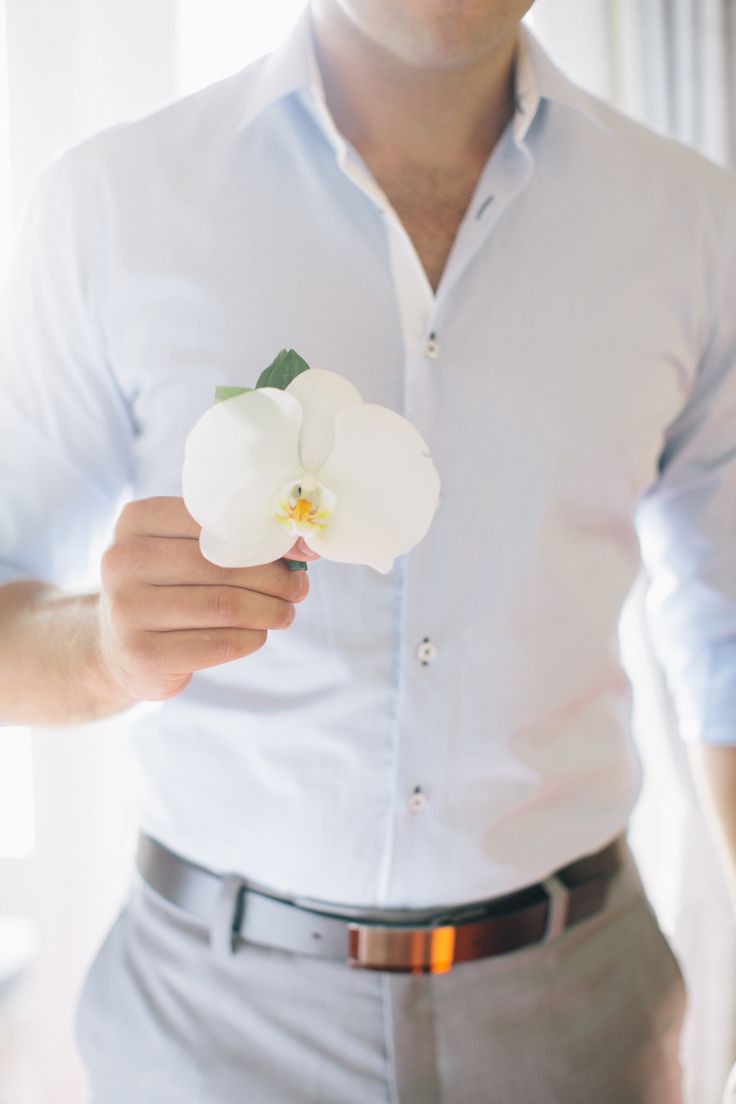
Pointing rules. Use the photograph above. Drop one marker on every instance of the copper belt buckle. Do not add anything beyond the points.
(401, 950)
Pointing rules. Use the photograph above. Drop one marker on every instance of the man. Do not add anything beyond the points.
(426, 775)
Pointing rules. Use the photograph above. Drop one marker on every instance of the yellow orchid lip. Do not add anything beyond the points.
(305, 507)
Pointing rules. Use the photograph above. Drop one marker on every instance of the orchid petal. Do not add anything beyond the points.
(386, 485)
(322, 395)
(245, 533)
(250, 439)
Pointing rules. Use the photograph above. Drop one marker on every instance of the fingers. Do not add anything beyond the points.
(171, 561)
(156, 517)
(163, 660)
(171, 608)
(157, 541)
(166, 611)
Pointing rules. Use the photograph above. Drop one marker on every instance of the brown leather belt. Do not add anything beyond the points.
(416, 941)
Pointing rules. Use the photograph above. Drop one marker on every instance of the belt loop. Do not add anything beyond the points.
(228, 917)
(558, 896)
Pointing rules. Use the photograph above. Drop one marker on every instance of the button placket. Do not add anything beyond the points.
(426, 652)
(432, 346)
(417, 800)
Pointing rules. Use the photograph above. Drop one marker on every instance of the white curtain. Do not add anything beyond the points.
(674, 68)
(671, 65)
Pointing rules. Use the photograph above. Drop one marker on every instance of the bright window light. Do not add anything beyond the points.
(218, 37)
(5, 197)
(17, 837)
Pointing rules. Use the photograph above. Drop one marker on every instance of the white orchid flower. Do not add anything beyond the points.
(354, 480)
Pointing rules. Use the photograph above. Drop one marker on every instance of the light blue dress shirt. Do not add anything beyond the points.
(459, 727)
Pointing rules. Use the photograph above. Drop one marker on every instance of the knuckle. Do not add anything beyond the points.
(223, 605)
(110, 564)
(139, 514)
(225, 647)
(129, 517)
(123, 558)
(137, 552)
(122, 606)
(142, 651)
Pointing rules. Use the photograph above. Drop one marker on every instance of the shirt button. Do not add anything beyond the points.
(417, 800)
(432, 348)
(426, 651)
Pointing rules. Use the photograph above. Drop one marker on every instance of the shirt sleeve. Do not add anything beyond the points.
(687, 531)
(66, 434)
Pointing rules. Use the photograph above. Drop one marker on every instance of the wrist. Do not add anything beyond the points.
(102, 671)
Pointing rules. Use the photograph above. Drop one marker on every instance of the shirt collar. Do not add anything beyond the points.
(292, 68)
(538, 78)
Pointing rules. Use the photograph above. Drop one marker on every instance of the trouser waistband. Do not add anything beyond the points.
(410, 941)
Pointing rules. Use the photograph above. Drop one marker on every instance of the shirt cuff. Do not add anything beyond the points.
(707, 704)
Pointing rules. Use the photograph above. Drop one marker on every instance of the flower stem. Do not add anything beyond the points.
(296, 565)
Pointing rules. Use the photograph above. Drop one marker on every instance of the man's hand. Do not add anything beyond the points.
(165, 611)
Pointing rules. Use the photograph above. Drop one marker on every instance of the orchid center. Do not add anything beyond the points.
(305, 506)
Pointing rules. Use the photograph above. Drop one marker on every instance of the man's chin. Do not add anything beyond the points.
(434, 34)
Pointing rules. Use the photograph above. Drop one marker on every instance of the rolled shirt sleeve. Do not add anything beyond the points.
(65, 428)
(687, 531)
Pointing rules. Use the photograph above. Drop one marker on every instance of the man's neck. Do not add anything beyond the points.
(440, 116)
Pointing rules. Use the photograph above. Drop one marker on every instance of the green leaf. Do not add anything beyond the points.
(286, 367)
(222, 393)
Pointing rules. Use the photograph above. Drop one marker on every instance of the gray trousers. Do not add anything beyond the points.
(592, 1017)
